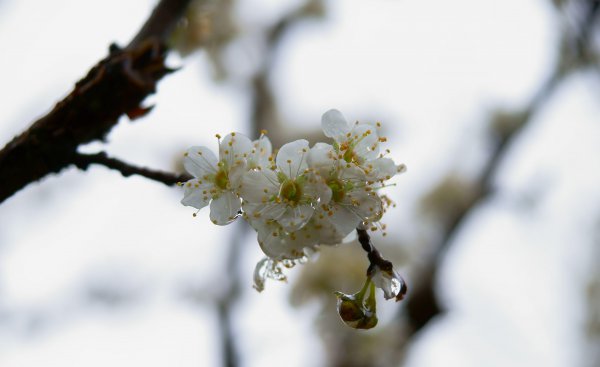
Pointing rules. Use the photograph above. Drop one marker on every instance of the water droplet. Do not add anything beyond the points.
(267, 268)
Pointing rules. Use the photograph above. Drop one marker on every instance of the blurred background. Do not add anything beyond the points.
(493, 106)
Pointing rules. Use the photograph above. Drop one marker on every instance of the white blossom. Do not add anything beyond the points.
(216, 180)
(354, 143)
(287, 192)
(353, 199)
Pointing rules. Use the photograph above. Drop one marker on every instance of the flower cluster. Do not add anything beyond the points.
(299, 198)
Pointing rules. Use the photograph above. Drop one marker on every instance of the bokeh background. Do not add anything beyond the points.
(494, 106)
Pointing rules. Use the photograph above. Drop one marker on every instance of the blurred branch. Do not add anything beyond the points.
(263, 117)
(116, 86)
(264, 103)
(83, 161)
(161, 22)
(422, 305)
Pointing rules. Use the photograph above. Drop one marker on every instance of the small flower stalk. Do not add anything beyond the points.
(301, 198)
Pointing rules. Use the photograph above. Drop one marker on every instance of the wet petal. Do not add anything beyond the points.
(334, 125)
(225, 208)
(316, 190)
(367, 146)
(200, 161)
(322, 158)
(195, 194)
(264, 211)
(343, 219)
(259, 186)
(236, 174)
(291, 159)
(234, 149)
(295, 217)
(380, 169)
(280, 245)
(261, 151)
(367, 205)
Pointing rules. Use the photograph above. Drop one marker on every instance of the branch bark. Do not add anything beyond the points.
(116, 86)
(83, 161)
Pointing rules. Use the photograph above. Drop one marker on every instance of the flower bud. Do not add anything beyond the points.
(357, 311)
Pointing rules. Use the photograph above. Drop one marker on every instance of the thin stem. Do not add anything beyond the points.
(83, 161)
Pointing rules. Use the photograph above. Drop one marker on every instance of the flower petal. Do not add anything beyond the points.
(261, 151)
(316, 190)
(367, 205)
(321, 157)
(343, 219)
(334, 125)
(326, 232)
(200, 161)
(367, 146)
(195, 194)
(380, 169)
(225, 208)
(280, 245)
(291, 159)
(234, 149)
(254, 184)
(236, 174)
(269, 210)
(295, 217)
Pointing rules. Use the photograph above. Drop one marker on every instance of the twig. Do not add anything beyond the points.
(377, 261)
(83, 161)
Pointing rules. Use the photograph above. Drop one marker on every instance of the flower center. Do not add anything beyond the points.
(337, 190)
(290, 191)
(349, 155)
(221, 179)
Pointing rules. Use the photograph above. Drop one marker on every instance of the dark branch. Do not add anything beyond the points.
(83, 161)
(116, 86)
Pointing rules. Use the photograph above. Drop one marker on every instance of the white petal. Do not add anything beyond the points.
(264, 211)
(195, 194)
(343, 219)
(234, 149)
(261, 151)
(254, 184)
(236, 174)
(334, 125)
(295, 217)
(280, 245)
(225, 208)
(352, 174)
(200, 161)
(380, 169)
(291, 158)
(368, 141)
(321, 157)
(325, 232)
(367, 205)
(316, 190)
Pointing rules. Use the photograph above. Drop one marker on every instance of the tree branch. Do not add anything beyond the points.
(116, 86)
(83, 161)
